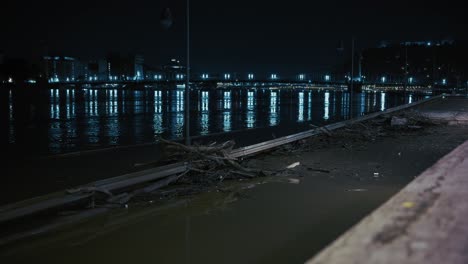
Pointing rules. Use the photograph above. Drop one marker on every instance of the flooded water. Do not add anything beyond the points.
(266, 220)
(257, 227)
(66, 120)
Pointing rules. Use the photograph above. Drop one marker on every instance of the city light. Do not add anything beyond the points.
(444, 81)
(327, 77)
(273, 76)
(10, 80)
(227, 76)
(205, 76)
(250, 76)
(410, 80)
(383, 79)
(301, 77)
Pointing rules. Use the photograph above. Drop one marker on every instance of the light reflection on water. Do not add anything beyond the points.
(382, 101)
(227, 111)
(105, 117)
(273, 108)
(300, 115)
(204, 110)
(326, 108)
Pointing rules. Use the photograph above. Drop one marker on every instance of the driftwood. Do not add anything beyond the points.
(198, 149)
(217, 153)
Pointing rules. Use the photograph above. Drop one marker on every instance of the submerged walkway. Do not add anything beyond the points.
(426, 222)
(285, 218)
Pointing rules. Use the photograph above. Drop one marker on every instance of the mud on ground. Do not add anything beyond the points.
(390, 148)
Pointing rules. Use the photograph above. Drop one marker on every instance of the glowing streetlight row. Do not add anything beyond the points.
(225, 76)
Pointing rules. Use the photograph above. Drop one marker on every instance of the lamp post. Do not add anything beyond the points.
(187, 81)
(166, 22)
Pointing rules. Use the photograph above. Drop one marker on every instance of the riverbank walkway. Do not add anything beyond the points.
(427, 221)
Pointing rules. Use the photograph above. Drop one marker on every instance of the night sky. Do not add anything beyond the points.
(262, 36)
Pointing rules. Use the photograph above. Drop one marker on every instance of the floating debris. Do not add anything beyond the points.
(357, 190)
(295, 164)
(294, 181)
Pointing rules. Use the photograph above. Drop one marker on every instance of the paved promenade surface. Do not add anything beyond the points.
(426, 222)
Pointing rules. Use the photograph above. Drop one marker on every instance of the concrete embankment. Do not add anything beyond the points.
(427, 221)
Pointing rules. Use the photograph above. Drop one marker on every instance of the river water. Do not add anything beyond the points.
(266, 220)
(65, 120)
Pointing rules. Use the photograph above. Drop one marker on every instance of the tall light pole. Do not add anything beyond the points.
(352, 79)
(187, 81)
(166, 22)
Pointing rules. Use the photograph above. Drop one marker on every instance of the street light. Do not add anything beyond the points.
(166, 22)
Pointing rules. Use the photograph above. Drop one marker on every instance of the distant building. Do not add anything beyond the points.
(59, 69)
(121, 67)
(421, 62)
(174, 71)
(96, 70)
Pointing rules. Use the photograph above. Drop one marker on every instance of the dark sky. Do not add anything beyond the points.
(242, 35)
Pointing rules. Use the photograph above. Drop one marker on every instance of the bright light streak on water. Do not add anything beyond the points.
(227, 126)
(205, 116)
(300, 115)
(54, 104)
(179, 106)
(158, 102)
(227, 100)
(382, 101)
(178, 117)
(113, 102)
(250, 118)
(205, 99)
(273, 108)
(74, 103)
(309, 107)
(375, 100)
(226, 121)
(158, 117)
(326, 106)
(410, 100)
(70, 100)
(138, 102)
(250, 100)
(95, 103)
(70, 128)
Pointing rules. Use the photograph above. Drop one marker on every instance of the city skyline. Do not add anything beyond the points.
(258, 35)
